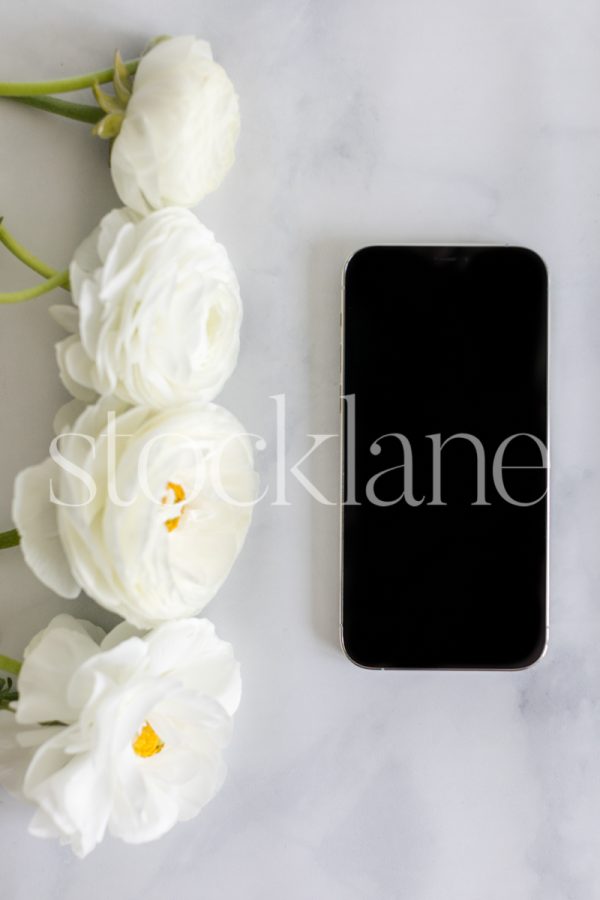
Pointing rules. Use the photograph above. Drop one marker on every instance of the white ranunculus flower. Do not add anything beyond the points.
(177, 140)
(153, 508)
(138, 724)
(157, 312)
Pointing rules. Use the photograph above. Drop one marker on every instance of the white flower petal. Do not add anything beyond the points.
(35, 517)
(178, 89)
(67, 316)
(49, 665)
(115, 530)
(159, 313)
(67, 414)
(144, 817)
(121, 632)
(13, 759)
(67, 623)
(74, 369)
(203, 662)
(93, 773)
(72, 791)
(42, 826)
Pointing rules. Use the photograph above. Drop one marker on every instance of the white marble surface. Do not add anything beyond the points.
(363, 121)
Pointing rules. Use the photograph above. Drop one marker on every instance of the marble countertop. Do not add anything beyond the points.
(363, 122)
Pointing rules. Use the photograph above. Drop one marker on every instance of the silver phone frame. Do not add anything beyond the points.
(342, 471)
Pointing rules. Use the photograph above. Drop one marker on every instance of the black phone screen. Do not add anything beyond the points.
(444, 475)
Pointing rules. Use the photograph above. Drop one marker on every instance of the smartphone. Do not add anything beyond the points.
(444, 457)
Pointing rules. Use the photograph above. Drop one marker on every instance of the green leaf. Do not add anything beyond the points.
(9, 538)
(122, 81)
(109, 126)
(156, 40)
(107, 103)
(7, 693)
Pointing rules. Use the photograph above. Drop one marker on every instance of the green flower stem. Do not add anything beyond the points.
(62, 85)
(79, 111)
(9, 538)
(59, 280)
(23, 254)
(10, 665)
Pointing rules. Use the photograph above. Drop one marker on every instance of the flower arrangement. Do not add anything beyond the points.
(146, 495)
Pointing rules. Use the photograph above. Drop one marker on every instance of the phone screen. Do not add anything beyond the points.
(444, 474)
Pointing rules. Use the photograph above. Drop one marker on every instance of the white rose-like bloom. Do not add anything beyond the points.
(153, 509)
(157, 312)
(141, 721)
(177, 141)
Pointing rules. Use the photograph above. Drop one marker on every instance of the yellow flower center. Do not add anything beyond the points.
(147, 743)
(175, 494)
